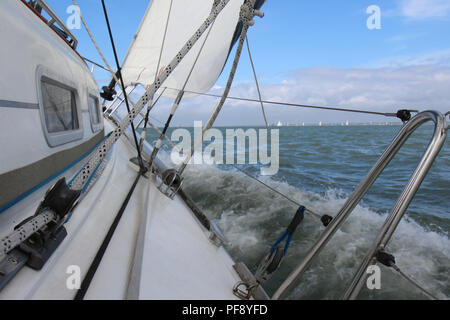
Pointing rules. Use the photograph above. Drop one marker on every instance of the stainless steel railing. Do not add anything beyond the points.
(399, 209)
(118, 101)
(55, 18)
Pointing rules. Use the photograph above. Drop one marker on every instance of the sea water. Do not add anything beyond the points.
(319, 168)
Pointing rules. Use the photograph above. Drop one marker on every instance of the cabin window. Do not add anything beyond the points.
(60, 109)
(94, 110)
(95, 113)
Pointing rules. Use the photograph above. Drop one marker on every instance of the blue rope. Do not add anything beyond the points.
(286, 246)
(288, 234)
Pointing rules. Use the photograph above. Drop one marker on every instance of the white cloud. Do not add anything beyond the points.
(405, 37)
(378, 89)
(416, 82)
(425, 9)
(439, 57)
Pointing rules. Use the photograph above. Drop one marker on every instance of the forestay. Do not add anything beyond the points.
(182, 18)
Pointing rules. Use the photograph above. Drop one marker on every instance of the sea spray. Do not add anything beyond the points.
(320, 167)
(252, 218)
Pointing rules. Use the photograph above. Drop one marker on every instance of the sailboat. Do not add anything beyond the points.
(88, 209)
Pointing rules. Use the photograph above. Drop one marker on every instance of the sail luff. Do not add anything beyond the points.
(141, 65)
(247, 14)
(164, 39)
(136, 34)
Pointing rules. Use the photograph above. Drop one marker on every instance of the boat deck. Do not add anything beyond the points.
(158, 251)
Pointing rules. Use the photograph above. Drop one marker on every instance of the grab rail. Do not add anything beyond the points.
(55, 18)
(394, 218)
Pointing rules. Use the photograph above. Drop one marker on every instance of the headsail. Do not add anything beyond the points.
(182, 18)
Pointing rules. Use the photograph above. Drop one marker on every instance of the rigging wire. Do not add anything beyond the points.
(95, 63)
(152, 104)
(256, 82)
(406, 277)
(276, 191)
(157, 68)
(386, 114)
(388, 260)
(121, 81)
(108, 67)
(270, 102)
(179, 97)
(156, 120)
(247, 13)
(96, 45)
(239, 98)
(239, 169)
(79, 181)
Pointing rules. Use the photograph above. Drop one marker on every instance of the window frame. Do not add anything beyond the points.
(55, 139)
(96, 127)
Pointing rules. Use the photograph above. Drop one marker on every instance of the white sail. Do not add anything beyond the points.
(143, 60)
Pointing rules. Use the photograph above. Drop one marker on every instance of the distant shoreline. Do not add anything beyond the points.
(351, 124)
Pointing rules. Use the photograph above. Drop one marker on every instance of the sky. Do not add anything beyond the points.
(308, 52)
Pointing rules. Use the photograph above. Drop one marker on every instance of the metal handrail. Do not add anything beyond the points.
(55, 18)
(121, 100)
(394, 218)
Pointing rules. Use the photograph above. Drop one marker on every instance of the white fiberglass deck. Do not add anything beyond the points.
(174, 258)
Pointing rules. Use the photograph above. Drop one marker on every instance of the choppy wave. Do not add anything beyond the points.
(319, 167)
(253, 217)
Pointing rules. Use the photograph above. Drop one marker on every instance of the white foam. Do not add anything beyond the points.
(252, 217)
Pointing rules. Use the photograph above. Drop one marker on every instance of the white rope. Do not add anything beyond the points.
(108, 67)
(178, 99)
(144, 133)
(95, 44)
(163, 40)
(246, 16)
